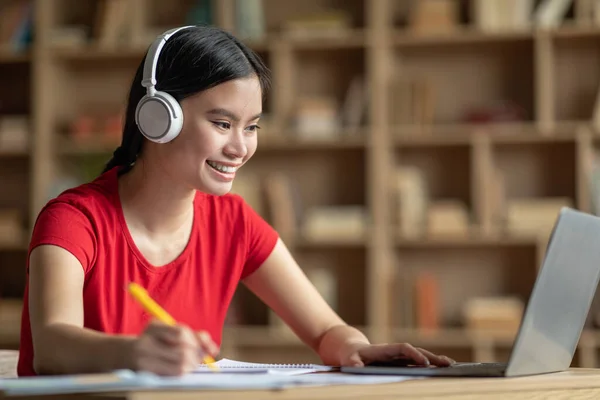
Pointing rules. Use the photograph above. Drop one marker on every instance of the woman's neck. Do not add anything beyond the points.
(154, 201)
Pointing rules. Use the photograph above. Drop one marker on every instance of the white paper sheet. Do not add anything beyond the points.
(240, 379)
(233, 366)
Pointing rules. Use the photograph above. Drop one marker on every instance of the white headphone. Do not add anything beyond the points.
(158, 115)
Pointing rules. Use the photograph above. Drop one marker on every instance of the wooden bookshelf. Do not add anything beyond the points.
(538, 86)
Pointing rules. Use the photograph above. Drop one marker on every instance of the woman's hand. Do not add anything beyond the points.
(171, 350)
(361, 354)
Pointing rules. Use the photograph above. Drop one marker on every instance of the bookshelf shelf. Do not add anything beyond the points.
(8, 57)
(459, 37)
(473, 240)
(355, 38)
(93, 54)
(330, 243)
(339, 142)
(501, 121)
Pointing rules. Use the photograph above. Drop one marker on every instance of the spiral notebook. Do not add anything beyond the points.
(231, 366)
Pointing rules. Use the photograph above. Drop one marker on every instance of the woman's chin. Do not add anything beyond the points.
(216, 189)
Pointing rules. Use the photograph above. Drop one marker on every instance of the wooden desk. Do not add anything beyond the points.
(576, 384)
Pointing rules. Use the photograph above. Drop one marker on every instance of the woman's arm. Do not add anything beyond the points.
(61, 344)
(282, 285)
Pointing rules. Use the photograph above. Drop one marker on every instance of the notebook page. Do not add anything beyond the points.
(230, 366)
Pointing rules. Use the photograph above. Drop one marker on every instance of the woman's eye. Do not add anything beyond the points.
(253, 128)
(224, 125)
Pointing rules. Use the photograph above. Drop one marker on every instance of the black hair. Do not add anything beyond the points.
(192, 60)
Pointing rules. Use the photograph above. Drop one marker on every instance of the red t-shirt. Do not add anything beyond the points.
(228, 242)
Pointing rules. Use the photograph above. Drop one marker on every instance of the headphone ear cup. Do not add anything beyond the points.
(159, 117)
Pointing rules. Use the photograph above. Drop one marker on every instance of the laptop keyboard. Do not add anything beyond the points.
(480, 366)
(468, 364)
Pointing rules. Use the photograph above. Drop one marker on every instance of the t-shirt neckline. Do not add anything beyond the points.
(181, 258)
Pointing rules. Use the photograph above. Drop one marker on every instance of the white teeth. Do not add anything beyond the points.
(221, 167)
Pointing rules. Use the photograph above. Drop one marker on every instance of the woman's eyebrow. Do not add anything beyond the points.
(226, 113)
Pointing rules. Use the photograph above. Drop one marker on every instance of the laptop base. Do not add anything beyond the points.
(489, 370)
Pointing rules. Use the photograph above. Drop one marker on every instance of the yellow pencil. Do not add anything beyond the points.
(152, 307)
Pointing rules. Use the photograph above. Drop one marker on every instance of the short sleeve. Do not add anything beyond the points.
(64, 225)
(261, 239)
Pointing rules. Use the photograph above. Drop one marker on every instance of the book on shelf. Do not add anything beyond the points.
(493, 313)
(112, 25)
(448, 217)
(411, 198)
(434, 16)
(551, 13)
(250, 19)
(14, 132)
(283, 204)
(319, 25)
(16, 25)
(353, 113)
(534, 216)
(335, 223)
(502, 15)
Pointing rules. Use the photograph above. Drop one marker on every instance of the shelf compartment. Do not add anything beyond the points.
(345, 268)
(446, 169)
(436, 176)
(15, 80)
(97, 90)
(12, 268)
(461, 272)
(319, 87)
(304, 195)
(276, 13)
(321, 178)
(15, 176)
(266, 56)
(575, 93)
(537, 170)
(462, 84)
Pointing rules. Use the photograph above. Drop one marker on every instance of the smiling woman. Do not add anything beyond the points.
(161, 215)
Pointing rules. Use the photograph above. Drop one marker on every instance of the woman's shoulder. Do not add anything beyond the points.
(90, 198)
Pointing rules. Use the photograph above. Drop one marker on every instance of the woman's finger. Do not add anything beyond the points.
(406, 350)
(165, 333)
(207, 344)
(354, 360)
(168, 353)
(439, 360)
(387, 352)
(159, 367)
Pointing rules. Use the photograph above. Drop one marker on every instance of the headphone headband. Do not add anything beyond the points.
(149, 78)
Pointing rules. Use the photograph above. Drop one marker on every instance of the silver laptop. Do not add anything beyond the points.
(555, 314)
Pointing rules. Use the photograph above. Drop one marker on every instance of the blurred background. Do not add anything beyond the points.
(414, 154)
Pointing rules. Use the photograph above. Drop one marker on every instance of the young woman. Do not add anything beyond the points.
(161, 215)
